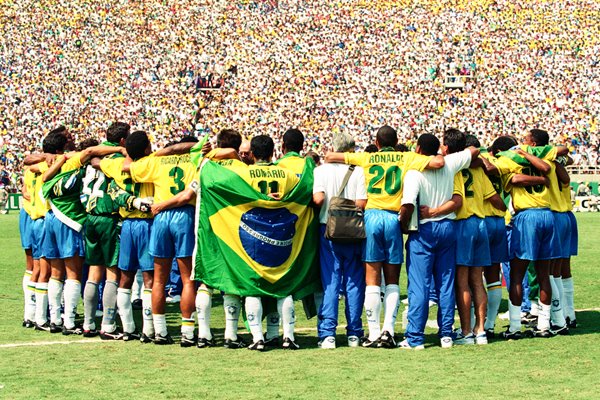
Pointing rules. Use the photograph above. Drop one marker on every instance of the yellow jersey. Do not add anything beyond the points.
(40, 205)
(384, 172)
(536, 196)
(72, 163)
(113, 168)
(293, 162)
(268, 178)
(555, 192)
(28, 179)
(478, 188)
(498, 184)
(565, 195)
(169, 174)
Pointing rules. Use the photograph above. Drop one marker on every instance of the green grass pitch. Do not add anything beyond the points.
(561, 367)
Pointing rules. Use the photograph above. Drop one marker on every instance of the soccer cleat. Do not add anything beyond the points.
(55, 328)
(327, 343)
(272, 342)
(128, 336)
(116, 335)
(481, 338)
(160, 340)
(203, 343)
(45, 327)
(462, 339)
(353, 341)
(446, 342)
(508, 335)
(90, 333)
(235, 344)
(136, 304)
(528, 318)
(28, 324)
(538, 333)
(557, 330)
(406, 346)
(490, 334)
(257, 346)
(571, 324)
(366, 342)
(173, 299)
(146, 339)
(188, 342)
(386, 341)
(72, 331)
(289, 344)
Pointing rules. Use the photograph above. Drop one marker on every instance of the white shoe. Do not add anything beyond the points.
(481, 338)
(327, 343)
(446, 342)
(462, 339)
(353, 341)
(504, 316)
(174, 299)
(404, 345)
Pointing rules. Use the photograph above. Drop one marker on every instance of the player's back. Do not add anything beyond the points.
(270, 179)
(477, 189)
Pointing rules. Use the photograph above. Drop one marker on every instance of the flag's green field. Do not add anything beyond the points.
(39, 365)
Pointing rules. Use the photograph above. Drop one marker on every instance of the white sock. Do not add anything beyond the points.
(535, 308)
(273, 325)
(30, 299)
(556, 312)
(148, 323)
(55, 289)
(125, 309)
(26, 294)
(472, 311)
(109, 304)
(41, 303)
(514, 313)
(203, 306)
(569, 303)
(391, 299)
(90, 304)
(72, 292)
(494, 292)
(373, 311)
(285, 307)
(544, 317)
(254, 314)
(187, 327)
(138, 286)
(160, 324)
(232, 306)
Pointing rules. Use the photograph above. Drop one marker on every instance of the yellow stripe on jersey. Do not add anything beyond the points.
(478, 188)
(522, 197)
(169, 174)
(384, 172)
(113, 168)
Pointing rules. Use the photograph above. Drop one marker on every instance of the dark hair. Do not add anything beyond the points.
(117, 131)
(136, 144)
(401, 147)
(540, 137)
(387, 136)
(54, 143)
(229, 139)
(87, 143)
(503, 143)
(262, 147)
(293, 140)
(315, 156)
(472, 141)
(188, 139)
(60, 130)
(429, 144)
(455, 140)
(371, 149)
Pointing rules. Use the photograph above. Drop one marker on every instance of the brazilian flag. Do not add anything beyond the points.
(251, 245)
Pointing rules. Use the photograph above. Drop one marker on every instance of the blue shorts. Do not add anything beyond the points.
(38, 232)
(384, 237)
(135, 238)
(562, 232)
(496, 229)
(173, 233)
(60, 241)
(25, 229)
(532, 235)
(472, 243)
(574, 242)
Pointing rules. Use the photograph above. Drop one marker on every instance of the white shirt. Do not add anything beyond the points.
(328, 180)
(434, 187)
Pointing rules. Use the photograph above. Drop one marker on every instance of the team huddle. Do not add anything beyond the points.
(118, 207)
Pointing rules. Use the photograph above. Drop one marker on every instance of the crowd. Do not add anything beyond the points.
(322, 67)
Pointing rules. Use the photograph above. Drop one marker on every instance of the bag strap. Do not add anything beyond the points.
(345, 181)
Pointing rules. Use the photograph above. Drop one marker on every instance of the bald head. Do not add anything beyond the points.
(245, 153)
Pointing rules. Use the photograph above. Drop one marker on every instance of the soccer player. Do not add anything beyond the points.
(172, 236)
(25, 230)
(384, 173)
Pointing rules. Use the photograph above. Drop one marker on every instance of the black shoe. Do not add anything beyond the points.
(188, 342)
(28, 324)
(490, 334)
(365, 342)
(203, 343)
(116, 335)
(55, 328)
(128, 336)
(159, 339)
(90, 333)
(571, 324)
(538, 333)
(508, 335)
(146, 339)
(272, 342)
(559, 330)
(257, 346)
(235, 344)
(45, 327)
(76, 330)
(136, 304)
(386, 341)
(289, 344)
(528, 318)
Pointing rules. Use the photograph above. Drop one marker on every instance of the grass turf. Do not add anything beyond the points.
(532, 369)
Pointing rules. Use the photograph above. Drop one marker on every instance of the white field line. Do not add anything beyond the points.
(430, 323)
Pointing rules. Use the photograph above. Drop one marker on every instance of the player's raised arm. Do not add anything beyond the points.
(436, 162)
(536, 162)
